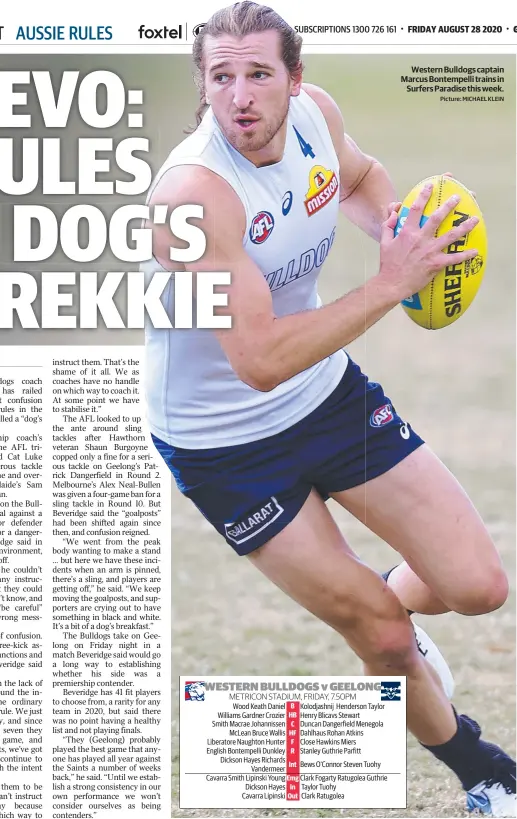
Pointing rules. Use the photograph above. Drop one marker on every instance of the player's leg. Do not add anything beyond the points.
(415, 596)
(412, 592)
(311, 562)
(420, 509)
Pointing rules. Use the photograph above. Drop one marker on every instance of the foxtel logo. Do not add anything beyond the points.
(164, 33)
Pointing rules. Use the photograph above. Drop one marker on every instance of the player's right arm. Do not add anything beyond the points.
(265, 350)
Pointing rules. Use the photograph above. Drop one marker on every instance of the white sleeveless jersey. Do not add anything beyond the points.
(195, 400)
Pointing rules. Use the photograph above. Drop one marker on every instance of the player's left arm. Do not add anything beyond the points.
(365, 189)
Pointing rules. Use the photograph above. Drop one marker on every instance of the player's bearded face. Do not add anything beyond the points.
(253, 135)
(249, 88)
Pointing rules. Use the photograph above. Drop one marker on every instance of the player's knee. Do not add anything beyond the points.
(486, 594)
(393, 646)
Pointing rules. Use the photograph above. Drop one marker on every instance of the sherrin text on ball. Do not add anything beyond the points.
(453, 289)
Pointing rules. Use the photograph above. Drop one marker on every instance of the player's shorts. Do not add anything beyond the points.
(250, 492)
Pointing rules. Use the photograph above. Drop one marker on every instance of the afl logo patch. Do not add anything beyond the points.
(382, 415)
(261, 227)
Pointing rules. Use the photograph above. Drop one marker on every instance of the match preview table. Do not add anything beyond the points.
(299, 741)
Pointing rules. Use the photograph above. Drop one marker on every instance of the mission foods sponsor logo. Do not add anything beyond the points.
(323, 184)
(254, 522)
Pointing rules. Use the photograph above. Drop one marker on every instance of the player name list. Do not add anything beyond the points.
(299, 741)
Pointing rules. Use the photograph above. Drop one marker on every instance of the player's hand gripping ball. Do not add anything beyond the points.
(453, 289)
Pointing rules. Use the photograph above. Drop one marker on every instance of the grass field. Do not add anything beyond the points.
(455, 386)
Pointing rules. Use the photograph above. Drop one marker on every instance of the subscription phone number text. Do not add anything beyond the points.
(392, 29)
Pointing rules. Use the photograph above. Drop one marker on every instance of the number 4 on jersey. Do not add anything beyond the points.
(306, 148)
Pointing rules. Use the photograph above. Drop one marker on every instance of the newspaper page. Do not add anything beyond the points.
(257, 410)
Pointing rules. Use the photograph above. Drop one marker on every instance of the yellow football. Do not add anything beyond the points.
(453, 289)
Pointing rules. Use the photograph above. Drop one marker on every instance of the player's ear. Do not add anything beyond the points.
(296, 80)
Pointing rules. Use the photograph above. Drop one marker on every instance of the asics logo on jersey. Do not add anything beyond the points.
(261, 227)
(287, 201)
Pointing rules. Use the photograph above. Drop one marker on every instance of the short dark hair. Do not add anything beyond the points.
(239, 20)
